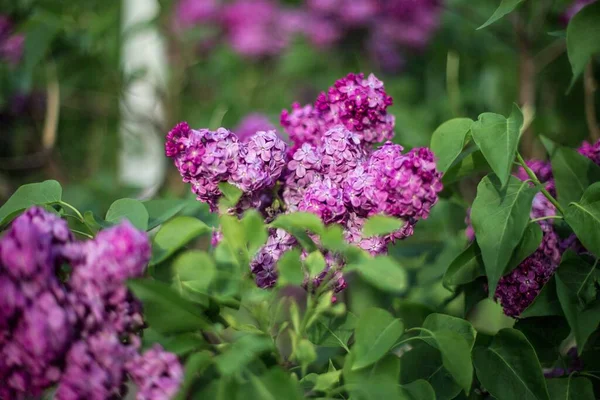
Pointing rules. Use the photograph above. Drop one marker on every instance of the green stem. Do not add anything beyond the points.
(535, 179)
(547, 217)
(82, 233)
(76, 211)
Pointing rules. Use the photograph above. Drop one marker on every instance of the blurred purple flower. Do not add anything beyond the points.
(157, 374)
(251, 124)
(574, 8)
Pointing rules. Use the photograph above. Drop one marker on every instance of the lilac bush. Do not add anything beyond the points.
(331, 169)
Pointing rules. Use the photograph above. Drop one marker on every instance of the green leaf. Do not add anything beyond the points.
(583, 318)
(500, 216)
(448, 141)
(584, 218)
(327, 381)
(290, 269)
(418, 390)
(454, 347)
(379, 381)
(383, 272)
(47, 192)
(275, 384)
(379, 225)
(302, 221)
(505, 7)
(469, 163)
(194, 366)
(571, 388)
(579, 276)
(130, 209)
(297, 224)
(441, 323)
(331, 331)
(376, 332)
(231, 195)
(573, 173)
(583, 38)
(162, 210)
(179, 344)
(532, 237)
(545, 335)
(498, 137)
(165, 311)
(255, 230)
(425, 363)
(241, 353)
(509, 368)
(175, 234)
(315, 262)
(466, 267)
(546, 302)
(193, 272)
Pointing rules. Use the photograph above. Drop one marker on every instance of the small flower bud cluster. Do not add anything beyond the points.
(157, 374)
(331, 169)
(68, 332)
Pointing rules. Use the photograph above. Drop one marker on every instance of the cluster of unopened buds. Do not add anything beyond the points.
(331, 169)
(518, 289)
(78, 329)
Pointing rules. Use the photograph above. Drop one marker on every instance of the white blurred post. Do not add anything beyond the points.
(142, 161)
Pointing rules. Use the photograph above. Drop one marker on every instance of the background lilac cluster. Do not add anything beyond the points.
(78, 333)
(266, 27)
(11, 43)
(331, 170)
(517, 290)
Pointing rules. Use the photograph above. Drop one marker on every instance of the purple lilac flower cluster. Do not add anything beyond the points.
(206, 158)
(331, 170)
(358, 103)
(257, 28)
(517, 290)
(76, 333)
(11, 43)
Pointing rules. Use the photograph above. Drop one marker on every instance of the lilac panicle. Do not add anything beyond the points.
(157, 374)
(395, 184)
(95, 369)
(100, 269)
(360, 105)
